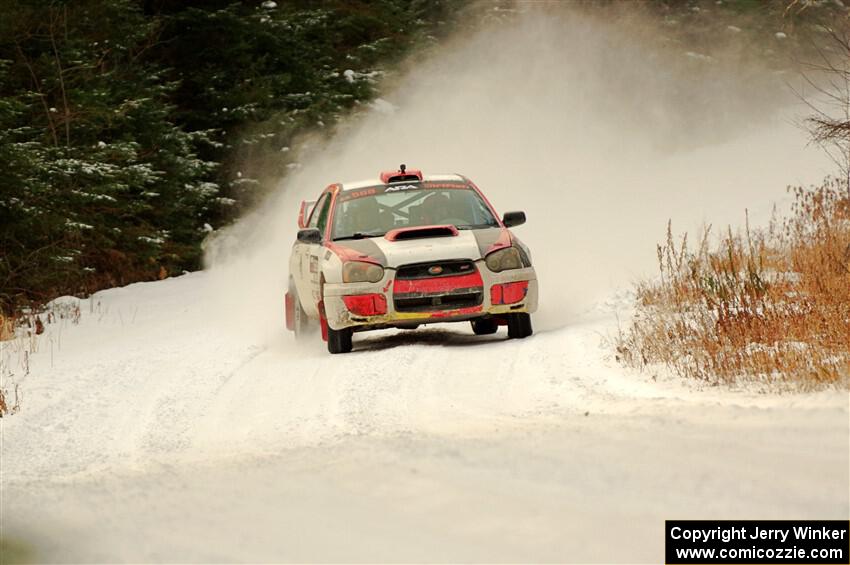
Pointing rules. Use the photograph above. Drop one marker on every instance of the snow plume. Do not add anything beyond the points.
(594, 124)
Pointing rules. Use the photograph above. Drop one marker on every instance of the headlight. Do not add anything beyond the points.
(360, 271)
(504, 259)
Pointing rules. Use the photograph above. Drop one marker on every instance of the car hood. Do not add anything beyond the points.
(467, 244)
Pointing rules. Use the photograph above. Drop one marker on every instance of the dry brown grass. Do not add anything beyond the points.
(7, 327)
(770, 305)
(20, 337)
(9, 408)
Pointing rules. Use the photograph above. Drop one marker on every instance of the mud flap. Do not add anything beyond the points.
(323, 320)
(289, 309)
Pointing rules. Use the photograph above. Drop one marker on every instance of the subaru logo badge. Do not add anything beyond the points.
(435, 270)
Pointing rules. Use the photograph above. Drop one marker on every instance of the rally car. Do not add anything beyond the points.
(403, 250)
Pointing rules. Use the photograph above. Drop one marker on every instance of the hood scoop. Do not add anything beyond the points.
(421, 232)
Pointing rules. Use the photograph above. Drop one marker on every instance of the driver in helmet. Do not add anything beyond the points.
(366, 216)
(437, 209)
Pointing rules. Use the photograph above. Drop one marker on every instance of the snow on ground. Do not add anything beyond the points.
(155, 432)
(179, 423)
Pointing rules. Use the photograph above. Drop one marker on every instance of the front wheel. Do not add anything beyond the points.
(485, 326)
(519, 325)
(339, 341)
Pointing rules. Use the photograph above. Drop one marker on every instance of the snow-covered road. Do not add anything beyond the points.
(178, 422)
(151, 431)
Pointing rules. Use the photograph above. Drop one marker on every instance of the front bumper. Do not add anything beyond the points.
(339, 316)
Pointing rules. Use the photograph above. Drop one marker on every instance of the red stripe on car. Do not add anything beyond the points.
(437, 284)
(348, 254)
(457, 312)
(503, 242)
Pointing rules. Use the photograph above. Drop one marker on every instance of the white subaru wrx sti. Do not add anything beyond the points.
(405, 250)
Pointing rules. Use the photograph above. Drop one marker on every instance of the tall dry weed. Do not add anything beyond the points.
(771, 305)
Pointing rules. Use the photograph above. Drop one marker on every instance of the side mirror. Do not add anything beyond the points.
(310, 235)
(511, 219)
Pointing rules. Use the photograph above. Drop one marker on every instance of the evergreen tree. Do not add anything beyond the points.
(127, 127)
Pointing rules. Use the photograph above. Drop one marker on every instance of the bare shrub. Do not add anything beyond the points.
(21, 336)
(771, 305)
(5, 408)
(828, 96)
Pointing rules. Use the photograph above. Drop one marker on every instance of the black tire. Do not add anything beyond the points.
(301, 324)
(339, 341)
(484, 326)
(519, 325)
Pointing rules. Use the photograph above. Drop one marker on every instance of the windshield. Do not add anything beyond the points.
(374, 211)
